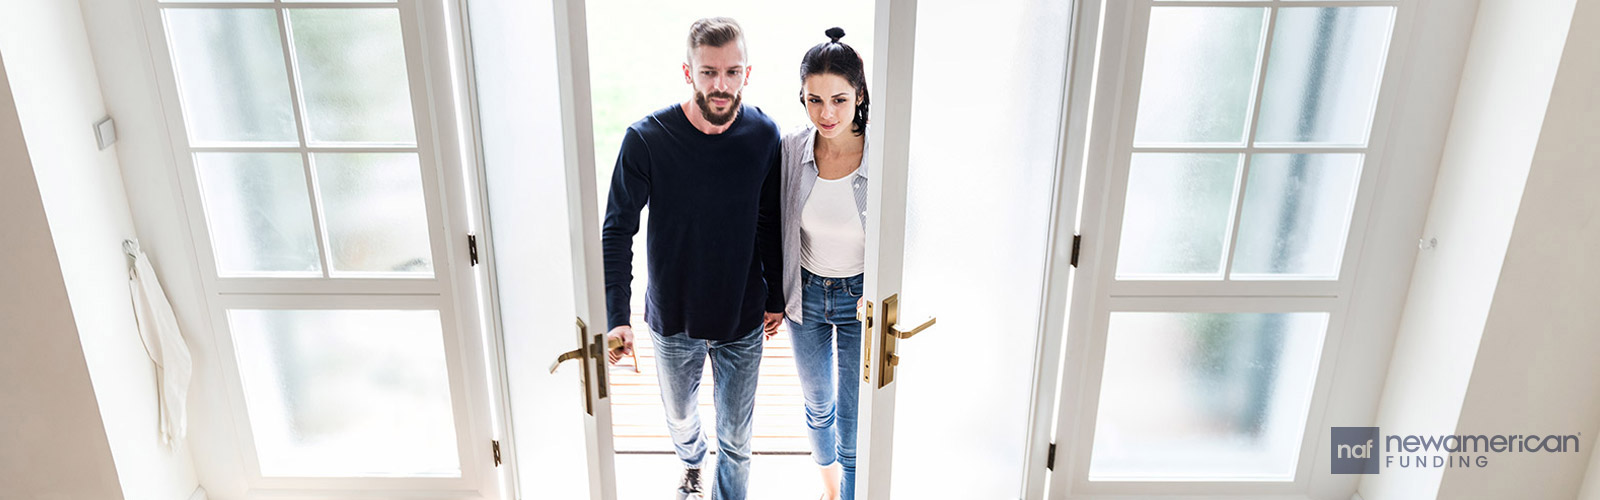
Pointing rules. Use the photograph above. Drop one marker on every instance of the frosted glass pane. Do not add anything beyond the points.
(977, 223)
(1204, 396)
(373, 207)
(258, 212)
(1322, 78)
(231, 77)
(353, 75)
(1199, 67)
(1295, 215)
(1176, 220)
(346, 393)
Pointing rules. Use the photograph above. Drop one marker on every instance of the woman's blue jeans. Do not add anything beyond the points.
(827, 352)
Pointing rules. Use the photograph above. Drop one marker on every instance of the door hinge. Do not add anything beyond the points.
(472, 248)
(497, 452)
(1077, 243)
(1049, 461)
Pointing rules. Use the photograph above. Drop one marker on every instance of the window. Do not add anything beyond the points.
(1242, 153)
(308, 161)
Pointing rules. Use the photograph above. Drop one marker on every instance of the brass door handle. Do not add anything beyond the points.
(906, 334)
(586, 352)
(611, 344)
(889, 357)
(566, 356)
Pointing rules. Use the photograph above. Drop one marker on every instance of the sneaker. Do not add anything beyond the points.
(690, 484)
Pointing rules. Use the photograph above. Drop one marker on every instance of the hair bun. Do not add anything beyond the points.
(834, 34)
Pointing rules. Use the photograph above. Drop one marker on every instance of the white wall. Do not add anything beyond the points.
(1500, 106)
(1536, 369)
(122, 57)
(58, 100)
(52, 443)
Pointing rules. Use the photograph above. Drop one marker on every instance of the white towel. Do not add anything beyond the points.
(158, 328)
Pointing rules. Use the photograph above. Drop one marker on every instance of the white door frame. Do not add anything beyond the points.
(577, 119)
(894, 56)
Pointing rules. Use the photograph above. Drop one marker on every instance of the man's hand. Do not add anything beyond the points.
(769, 324)
(625, 333)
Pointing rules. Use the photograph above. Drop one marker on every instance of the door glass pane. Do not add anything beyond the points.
(231, 77)
(1204, 396)
(1322, 78)
(258, 213)
(1295, 215)
(373, 207)
(976, 240)
(347, 392)
(1199, 67)
(353, 75)
(1176, 219)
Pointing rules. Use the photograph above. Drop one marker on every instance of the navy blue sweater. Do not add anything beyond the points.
(714, 252)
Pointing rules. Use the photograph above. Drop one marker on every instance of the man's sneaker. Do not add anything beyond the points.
(691, 483)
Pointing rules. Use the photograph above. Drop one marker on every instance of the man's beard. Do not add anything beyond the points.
(713, 118)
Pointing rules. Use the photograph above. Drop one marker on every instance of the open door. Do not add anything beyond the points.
(965, 158)
(588, 272)
(535, 131)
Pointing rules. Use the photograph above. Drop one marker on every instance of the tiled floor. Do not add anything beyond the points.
(772, 477)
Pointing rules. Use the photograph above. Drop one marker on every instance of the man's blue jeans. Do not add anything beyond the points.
(735, 366)
(827, 352)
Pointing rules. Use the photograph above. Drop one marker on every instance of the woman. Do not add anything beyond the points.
(824, 254)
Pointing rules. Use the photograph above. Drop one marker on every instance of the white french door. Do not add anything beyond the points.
(964, 167)
(533, 127)
(959, 225)
(1231, 153)
(312, 145)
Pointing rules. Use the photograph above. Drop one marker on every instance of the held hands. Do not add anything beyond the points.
(624, 332)
(769, 324)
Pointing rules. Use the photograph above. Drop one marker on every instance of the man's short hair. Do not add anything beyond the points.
(714, 32)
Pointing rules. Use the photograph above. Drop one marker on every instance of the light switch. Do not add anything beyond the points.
(105, 133)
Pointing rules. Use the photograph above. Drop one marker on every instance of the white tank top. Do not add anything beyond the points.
(832, 242)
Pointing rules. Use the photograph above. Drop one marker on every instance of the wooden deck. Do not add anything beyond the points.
(639, 422)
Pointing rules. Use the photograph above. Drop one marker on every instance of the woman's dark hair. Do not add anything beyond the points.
(837, 58)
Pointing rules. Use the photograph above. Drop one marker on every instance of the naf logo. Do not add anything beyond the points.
(1355, 450)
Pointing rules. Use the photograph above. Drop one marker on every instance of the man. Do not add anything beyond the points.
(708, 170)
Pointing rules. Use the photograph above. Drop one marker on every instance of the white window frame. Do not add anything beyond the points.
(1102, 104)
(431, 41)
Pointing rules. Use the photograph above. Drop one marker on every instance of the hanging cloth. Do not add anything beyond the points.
(158, 328)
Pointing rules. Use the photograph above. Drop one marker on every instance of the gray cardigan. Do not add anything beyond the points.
(799, 175)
